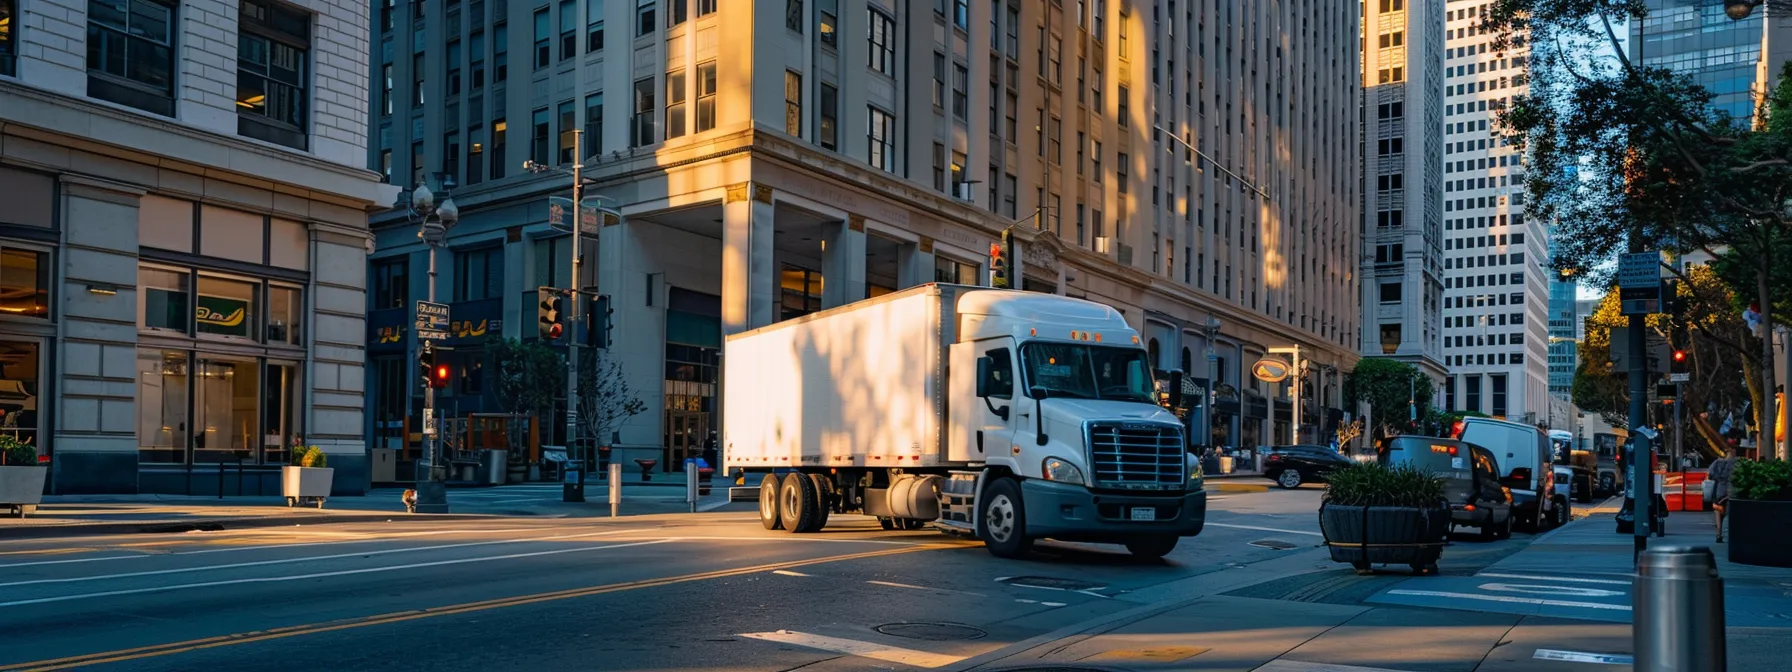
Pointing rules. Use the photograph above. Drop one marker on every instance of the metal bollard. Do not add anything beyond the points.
(1677, 607)
(690, 484)
(615, 488)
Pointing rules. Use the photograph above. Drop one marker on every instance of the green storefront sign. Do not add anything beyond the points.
(223, 316)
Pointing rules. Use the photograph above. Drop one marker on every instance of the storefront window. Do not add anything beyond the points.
(24, 283)
(225, 401)
(277, 412)
(285, 315)
(20, 397)
(226, 307)
(163, 300)
(162, 406)
(801, 292)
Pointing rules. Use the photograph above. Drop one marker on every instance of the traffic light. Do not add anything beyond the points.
(426, 363)
(998, 261)
(550, 314)
(1677, 364)
(439, 378)
(598, 321)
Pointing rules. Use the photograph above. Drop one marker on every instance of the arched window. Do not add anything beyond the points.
(1188, 361)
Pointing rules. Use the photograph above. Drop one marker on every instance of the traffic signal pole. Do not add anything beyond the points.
(432, 492)
(572, 291)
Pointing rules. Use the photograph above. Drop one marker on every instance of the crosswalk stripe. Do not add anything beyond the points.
(853, 647)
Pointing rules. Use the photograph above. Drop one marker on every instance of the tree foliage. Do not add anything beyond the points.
(1390, 387)
(528, 377)
(605, 398)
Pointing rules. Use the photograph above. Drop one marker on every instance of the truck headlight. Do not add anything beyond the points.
(1197, 475)
(1063, 472)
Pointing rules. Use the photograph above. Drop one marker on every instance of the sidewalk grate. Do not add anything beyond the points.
(1274, 544)
(932, 632)
(1050, 583)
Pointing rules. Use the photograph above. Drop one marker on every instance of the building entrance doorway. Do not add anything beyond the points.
(685, 433)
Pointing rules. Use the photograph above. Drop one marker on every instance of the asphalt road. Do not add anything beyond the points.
(708, 591)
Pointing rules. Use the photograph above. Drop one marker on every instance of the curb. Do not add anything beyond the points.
(215, 524)
(1237, 487)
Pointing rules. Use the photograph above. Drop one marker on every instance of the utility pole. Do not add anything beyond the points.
(572, 291)
(433, 220)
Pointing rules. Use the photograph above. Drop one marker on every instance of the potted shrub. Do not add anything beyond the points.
(21, 476)
(1375, 514)
(1760, 513)
(308, 478)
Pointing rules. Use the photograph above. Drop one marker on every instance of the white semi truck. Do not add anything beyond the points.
(1004, 415)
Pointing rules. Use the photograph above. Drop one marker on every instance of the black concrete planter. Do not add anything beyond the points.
(1758, 532)
(1385, 535)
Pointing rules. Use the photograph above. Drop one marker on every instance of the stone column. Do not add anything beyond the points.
(96, 356)
(843, 263)
(914, 263)
(749, 281)
(338, 383)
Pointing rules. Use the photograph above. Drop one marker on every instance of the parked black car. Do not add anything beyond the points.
(1289, 466)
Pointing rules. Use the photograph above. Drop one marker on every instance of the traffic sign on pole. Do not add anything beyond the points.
(1639, 283)
(431, 321)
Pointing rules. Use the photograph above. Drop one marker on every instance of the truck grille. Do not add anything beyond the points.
(1137, 456)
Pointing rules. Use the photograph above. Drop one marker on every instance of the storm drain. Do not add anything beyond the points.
(932, 632)
(1274, 544)
(1050, 583)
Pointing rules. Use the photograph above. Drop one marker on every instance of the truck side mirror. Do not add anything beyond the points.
(985, 377)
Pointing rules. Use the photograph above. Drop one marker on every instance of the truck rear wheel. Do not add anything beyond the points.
(768, 503)
(1152, 547)
(824, 500)
(797, 503)
(1005, 520)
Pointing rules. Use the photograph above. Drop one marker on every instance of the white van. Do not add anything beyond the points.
(1527, 467)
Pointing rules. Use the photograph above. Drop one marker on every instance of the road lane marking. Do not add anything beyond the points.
(912, 587)
(1583, 657)
(1266, 529)
(263, 547)
(320, 575)
(1280, 665)
(883, 652)
(786, 572)
(171, 648)
(1505, 598)
(1535, 589)
(311, 558)
(803, 538)
(519, 501)
(1564, 579)
(52, 551)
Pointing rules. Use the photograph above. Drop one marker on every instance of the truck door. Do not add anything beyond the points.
(983, 427)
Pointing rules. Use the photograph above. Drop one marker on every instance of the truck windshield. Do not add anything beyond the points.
(1077, 371)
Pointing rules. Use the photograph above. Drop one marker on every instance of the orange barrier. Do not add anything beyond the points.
(1684, 490)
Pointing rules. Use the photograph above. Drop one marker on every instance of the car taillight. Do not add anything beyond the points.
(1470, 507)
(1275, 457)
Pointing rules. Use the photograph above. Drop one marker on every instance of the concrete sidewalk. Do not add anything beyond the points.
(80, 515)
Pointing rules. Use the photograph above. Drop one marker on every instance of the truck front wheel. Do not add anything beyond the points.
(768, 503)
(1005, 520)
(1152, 547)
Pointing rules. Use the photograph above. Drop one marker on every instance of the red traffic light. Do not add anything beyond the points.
(1679, 355)
(554, 331)
(439, 378)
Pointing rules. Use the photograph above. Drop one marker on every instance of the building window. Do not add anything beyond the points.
(1498, 381)
(939, 167)
(385, 88)
(961, 97)
(939, 80)
(793, 15)
(829, 25)
(163, 299)
(793, 103)
(500, 55)
(706, 96)
(1390, 292)
(704, 7)
(961, 14)
(800, 292)
(391, 283)
(569, 29)
(498, 132)
(675, 104)
(227, 308)
(417, 79)
(451, 155)
(286, 314)
(569, 141)
(594, 124)
(1120, 171)
(641, 133)
(385, 166)
(538, 139)
(644, 18)
(953, 272)
(476, 52)
(882, 137)
(479, 274)
(594, 27)
(883, 42)
(677, 12)
(544, 53)
(475, 155)
(417, 162)
(130, 53)
(24, 282)
(830, 105)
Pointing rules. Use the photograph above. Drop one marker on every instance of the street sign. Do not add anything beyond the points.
(1655, 350)
(1270, 370)
(559, 214)
(432, 321)
(1679, 377)
(429, 422)
(1639, 283)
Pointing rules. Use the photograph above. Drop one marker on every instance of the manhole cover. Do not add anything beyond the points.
(1276, 544)
(1049, 582)
(932, 632)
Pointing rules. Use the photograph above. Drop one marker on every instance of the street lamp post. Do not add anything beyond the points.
(433, 221)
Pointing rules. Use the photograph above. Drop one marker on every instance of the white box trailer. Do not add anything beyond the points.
(1007, 415)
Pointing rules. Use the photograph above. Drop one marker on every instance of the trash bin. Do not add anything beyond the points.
(492, 466)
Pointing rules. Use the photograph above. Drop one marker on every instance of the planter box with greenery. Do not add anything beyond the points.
(21, 477)
(1374, 514)
(1760, 513)
(308, 479)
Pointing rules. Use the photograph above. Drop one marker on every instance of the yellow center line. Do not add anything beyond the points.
(50, 551)
(400, 616)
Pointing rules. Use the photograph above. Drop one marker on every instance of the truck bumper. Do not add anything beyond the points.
(1073, 513)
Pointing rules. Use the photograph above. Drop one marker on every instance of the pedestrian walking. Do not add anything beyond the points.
(712, 451)
(1719, 475)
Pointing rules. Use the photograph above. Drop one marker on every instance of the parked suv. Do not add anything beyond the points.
(1289, 466)
(1522, 453)
(1470, 477)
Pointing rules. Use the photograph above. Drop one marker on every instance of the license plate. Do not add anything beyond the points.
(1144, 513)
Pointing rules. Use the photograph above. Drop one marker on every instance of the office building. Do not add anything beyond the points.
(1496, 301)
(1402, 253)
(1723, 55)
(184, 238)
(1564, 322)
(768, 159)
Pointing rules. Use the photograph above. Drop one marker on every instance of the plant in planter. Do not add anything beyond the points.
(21, 476)
(1375, 514)
(1760, 513)
(308, 478)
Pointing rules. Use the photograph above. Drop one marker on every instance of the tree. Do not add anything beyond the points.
(529, 377)
(1625, 157)
(1390, 387)
(605, 398)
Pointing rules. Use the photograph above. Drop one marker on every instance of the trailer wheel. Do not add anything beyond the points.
(768, 503)
(824, 500)
(1005, 520)
(797, 503)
